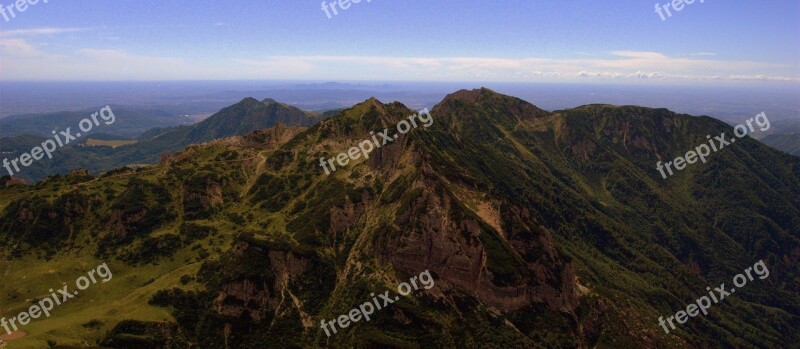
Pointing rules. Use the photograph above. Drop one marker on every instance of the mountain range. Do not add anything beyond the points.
(788, 142)
(541, 230)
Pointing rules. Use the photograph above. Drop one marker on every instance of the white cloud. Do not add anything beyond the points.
(25, 62)
(16, 47)
(91, 64)
(617, 65)
(23, 57)
(40, 31)
(759, 77)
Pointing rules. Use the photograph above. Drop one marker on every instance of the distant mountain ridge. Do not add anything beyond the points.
(788, 142)
(129, 123)
(247, 116)
(239, 119)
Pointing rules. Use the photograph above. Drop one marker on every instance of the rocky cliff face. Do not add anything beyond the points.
(259, 299)
(447, 241)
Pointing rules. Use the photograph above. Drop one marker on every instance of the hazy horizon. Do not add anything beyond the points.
(206, 97)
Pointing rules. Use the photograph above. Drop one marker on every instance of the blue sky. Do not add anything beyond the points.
(734, 41)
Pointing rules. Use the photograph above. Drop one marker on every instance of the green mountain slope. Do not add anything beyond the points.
(540, 229)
